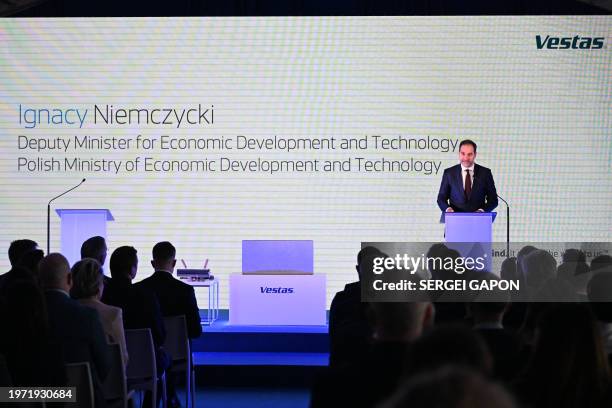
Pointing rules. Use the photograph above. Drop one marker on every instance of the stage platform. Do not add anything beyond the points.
(222, 344)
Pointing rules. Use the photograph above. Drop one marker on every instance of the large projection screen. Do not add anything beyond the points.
(210, 131)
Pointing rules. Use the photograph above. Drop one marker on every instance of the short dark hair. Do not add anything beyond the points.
(164, 251)
(573, 255)
(94, 248)
(601, 262)
(122, 260)
(468, 142)
(18, 248)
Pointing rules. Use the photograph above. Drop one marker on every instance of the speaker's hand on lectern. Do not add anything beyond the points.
(480, 210)
(450, 209)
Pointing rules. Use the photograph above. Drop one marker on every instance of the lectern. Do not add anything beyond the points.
(474, 230)
(77, 225)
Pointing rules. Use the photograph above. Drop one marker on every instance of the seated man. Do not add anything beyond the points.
(349, 331)
(18, 250)
(77, 328)
(140, 306)
(175, 297)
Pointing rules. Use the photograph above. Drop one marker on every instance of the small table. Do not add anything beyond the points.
(212, 313)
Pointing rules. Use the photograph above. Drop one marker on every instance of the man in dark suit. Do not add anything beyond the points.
(349, 331)
(77, 328)
(17, 252)
(139, 305)
(467, 186)
(176, 298)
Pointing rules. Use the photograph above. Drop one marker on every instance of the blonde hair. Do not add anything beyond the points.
(86, 278)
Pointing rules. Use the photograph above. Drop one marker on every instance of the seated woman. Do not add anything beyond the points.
(87, 288)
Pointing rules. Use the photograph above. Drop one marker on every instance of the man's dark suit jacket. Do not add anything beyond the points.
(175, 298)
(452, 194)
(349, 331)
(140, 308)
(79, 331)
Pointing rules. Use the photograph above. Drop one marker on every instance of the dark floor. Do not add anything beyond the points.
(244, 397)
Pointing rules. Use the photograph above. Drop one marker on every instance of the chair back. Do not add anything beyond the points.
(114, 386)
(177, 340)
(79, 376)
(141, 365)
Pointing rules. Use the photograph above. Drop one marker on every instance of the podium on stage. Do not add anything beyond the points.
(277, 286)
(77, 225)
(471, 234)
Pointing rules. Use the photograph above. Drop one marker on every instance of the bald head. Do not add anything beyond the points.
(54, 272)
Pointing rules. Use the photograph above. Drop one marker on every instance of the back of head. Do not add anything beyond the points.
(122, 260)
(569, 356)
(365, 259)
(436, 251)
(87, 279)
(489, 305)
(573, 255)
(164, 252)
(601, 262)
(18, 248)
(399, 321)
(449, 387)
(449, 344)
(508, 269)
(94, 247)
(31, 259)
(520, 257)
(539, 266)
(599, 292)
(53, 271)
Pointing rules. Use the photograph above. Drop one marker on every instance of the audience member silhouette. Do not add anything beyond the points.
(176, 298)
(520, 258)
(20, 247)
(349, 331)
(77, 328)
(569, 366)
(599, 292)
(21, 253)
(34, 357)
(515, 313)
(87, 288)
(368, 380)
(601, 262)
(140, 306)
(449, 305)
(449, 387)
(453, 344)
(487, 313)
(539, 267)
(577, 274)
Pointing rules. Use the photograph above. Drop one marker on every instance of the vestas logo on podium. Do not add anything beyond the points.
(565, 43)
(279, 290)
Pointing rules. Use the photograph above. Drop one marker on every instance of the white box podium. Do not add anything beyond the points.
(283, 300)
(77, 225)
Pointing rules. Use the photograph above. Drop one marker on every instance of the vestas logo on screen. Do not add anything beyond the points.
(265, 289)
(565, 43)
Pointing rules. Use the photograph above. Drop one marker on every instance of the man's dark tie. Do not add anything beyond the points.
(468, 185)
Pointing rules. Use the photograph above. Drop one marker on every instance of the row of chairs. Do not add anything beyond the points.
(141, 373)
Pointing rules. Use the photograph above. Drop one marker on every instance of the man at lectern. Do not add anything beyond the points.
(467, 186)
